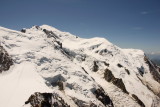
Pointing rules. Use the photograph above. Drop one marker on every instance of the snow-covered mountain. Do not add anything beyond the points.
(45, 67)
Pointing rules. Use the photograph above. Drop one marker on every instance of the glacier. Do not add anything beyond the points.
(83, 72)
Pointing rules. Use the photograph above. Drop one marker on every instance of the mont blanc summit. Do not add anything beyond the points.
(45, 67)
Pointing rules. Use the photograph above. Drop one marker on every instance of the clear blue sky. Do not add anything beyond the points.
(126, 23)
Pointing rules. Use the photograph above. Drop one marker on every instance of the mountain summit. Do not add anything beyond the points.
(45, 67)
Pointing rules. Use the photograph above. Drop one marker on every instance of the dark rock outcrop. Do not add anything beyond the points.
(5, 60)
(141, 70)
(106, 64)
(119, 65)
(59, 43)
(108, 75)
(127, 71)
(60, 85)
(67, 52)
(95, 66)
(138, 100)
(105, 52)
(23, 30)
(50, 34)
(154, 69)
(116, 81)
(46, 100)
(119, 83)
(103, 97)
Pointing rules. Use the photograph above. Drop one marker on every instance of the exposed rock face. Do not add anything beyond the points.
(5, 60)
(46, 100)
(138, 100)
(95, 66)
(119, 83)
(153, 69)
(127, 71)
(103, 97)
(50, 34)
(108, 75)
(119, 65)
(60, 84)
(106, 64)
(116, 81)
(141, 71)
(23, 30)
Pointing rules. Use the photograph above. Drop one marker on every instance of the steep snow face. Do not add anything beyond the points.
(48, 60)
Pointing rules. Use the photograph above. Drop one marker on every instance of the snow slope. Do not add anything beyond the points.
(43, 56)
(19, 83)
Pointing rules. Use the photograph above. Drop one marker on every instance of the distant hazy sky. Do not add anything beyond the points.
(126, 23)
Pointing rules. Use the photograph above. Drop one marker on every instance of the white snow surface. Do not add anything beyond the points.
(19, 83)
(38, 59)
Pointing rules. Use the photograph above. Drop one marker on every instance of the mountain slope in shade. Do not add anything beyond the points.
(155, 57)
(51, 67)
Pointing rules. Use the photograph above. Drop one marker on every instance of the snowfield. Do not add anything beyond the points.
(19, 83)
(43, 57)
